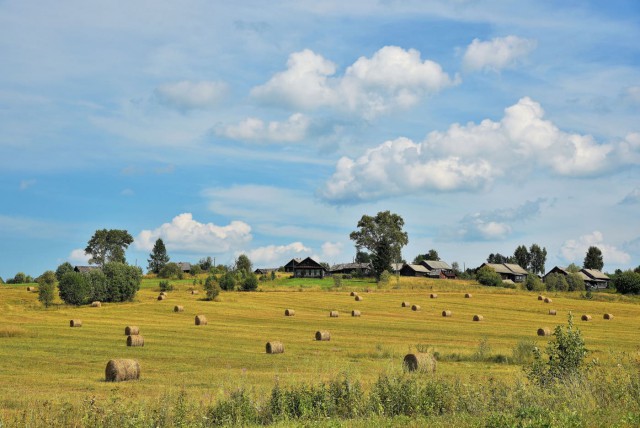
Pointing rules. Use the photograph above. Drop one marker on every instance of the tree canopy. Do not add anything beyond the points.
(158, 257)
(108, 246)
(430, 255)
(383, 237)
(593, 259)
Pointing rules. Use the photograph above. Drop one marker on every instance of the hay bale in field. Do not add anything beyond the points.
(275, 348)
(406, 304)
(478, 317)
(447, 313)
(333, 314)
(355, 313)
(422, 362)
(467, 295)
(163, 293)
(586, 317)
(546, 331)
(135, 340)
(131, 330)
(121, 370)
(96, 304)
(608, 316)
(415, 307)
(162, 297)
(195, 292)
(75, 323)
(201, 320)
(353, 294)
(31, 288)
(323, 335)
(540, 297)
(548, 300)
(358, 298)
(433, 296)
(178, 308)
(552, 312)
(289, 312)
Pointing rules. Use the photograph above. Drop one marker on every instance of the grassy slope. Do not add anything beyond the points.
(43, 358)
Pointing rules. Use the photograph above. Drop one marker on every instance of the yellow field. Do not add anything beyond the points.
(42, 358)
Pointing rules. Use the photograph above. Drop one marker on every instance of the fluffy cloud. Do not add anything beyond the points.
(187, 95)
(392, 78)
(471, 156)
(252, 129)
(186, 234)
(574, 250)
(273, 255)
(632, 198)
(497, 53)
(78, 257)
(331, 250)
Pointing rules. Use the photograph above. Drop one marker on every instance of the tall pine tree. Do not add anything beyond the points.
(158, 257)
(593, 259)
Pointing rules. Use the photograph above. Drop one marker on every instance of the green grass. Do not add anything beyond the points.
(44, 359)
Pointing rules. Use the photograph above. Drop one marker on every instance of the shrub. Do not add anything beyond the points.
(165, 285)
(20, 278)
(98, 286)
(211, 287)
(627, 282)
(62, 269)
(385, 277)
(575, 282)
(228, 281)
(170, 270)
(533, 283)
(74, 289)
(196, 270)
(556, 282)
(486, 275)
(46, 288)
(123, 281)
(337, 280)
(250, 283)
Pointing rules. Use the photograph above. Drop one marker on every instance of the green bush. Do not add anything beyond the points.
(165, 285)
(385, 277)
(211, 287)
(171, 270)
(575, 282)
(250, 283)
(46, 288)
(98, 286)
(62, 269)
(123, 281)
(627, 282)
(74, 289)
(337, 280)
(228, 281)
(533, 283)
(486, 275)
(556, 282)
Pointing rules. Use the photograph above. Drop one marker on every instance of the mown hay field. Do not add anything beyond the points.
(42, 358)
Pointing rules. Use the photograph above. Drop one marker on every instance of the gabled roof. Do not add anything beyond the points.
(310, 263)
(417, 268)
(595, 274)
(294, 261)
(564, 271)
(517, 269)
(351, 266)
(435, 264)
(499, 267)
(184, 266)
(85, 269)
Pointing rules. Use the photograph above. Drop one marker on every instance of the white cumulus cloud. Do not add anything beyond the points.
(574, 250)
(275, 255)
(187, 95)
(472, 156)
(497, 53)
(186, 234)
(78, 257)
(292, 130)
(331, 250)
(392, 78)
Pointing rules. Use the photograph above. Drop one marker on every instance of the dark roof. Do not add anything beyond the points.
(344, 266)
(184, 266)
(265, 270)
(309, 263)
(85, 269)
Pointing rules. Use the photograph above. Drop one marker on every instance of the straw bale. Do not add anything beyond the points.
(467, 295)
(415, 307)
(275, 347)
(178, 308)
(446, 313)
(333, 314)
(546, 331)
(122, 370)
(201, 320)
(608, 316)
(478, 317)
(289, 312)
(135, 340)
(75, 323)
(358, 298)
(355, 313)
(547, 300)
(323, 335)
(406, 304)
(422, 362)
(131, 330)
(586, 317)
(96, 304)
(552, 312)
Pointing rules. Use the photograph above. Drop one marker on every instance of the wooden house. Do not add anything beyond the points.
(363, 269)
(291, 265)
(438, 269)
(509, 271)
(309, 268)
(414, 270)
(593, 279)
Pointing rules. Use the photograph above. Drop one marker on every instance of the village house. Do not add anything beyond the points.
(291, 265)
(438, 269)
(309, 268)
(508, 271)
(414, 270)
(363, 269)
(593, 279)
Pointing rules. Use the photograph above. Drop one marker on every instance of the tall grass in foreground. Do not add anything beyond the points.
(600, 397)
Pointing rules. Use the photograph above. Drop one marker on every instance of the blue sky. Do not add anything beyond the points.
(270, 130)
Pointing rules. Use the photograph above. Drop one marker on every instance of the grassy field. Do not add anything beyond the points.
(42, 358)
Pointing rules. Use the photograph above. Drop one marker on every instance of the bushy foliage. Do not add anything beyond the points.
(556, 282)
(46, 288)
(575, 282)
(98, 286)
(196, 270)
(385, 278)
(165, 285)
(534, 283)
(74, 288)
(250, 283)
(486, 275)
(337, 280)
(170, 270)
(123, 281)
(228, 281)
(244, 265)
(565, 356)
(593, 259)
(62, 269)
(627, 282)
(211, 287)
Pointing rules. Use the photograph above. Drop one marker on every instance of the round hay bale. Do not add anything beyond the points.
(96, 304)
(275, 348)
(178, 308)
(121, 370)
(162, 297)
(358, 298)
(353, 294)
(433, 296)
(478, 317)
(415, 307)
(355, 313)
(552, 312)
(195, 292)
(548, 300)
(608, 316)
(333, 314)
(131, 330)
(586, 317)
(201, 320)
(75, 323)
(31, 288)
(289, 312)
(467, 295)
(135, 340)
(422, 362)
(446, 313)
(546, 331)
(323, 335)
(540, 297)
(406, 304)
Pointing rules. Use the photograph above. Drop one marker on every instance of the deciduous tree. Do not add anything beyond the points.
(521, 255)
(537, 259)
(46, 288)
(108, 246)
